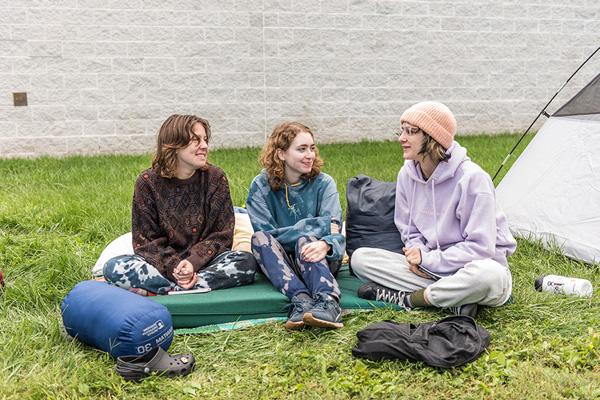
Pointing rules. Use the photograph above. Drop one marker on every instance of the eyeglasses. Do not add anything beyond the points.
(408, 130)
(197, 139)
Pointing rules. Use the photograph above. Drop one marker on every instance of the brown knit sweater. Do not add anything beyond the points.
(175, 219)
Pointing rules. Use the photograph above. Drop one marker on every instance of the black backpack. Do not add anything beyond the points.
(370, 215)
(449, 342)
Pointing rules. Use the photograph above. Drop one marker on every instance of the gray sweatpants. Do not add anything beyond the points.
(484, 282)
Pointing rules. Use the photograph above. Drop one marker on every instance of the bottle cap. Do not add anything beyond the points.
(539, 282)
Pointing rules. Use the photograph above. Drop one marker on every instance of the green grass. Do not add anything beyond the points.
(56, 215)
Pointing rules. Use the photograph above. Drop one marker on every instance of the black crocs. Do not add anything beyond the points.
(135, 368)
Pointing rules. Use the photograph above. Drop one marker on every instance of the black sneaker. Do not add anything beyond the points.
(325, 313)
(301, 303)
(376, 292)
(469, 310)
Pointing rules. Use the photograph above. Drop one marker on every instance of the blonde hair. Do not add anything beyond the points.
(174, 134)
(281, 138)
(433, 149)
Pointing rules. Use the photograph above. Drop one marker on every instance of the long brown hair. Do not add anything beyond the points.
(174, 134)
(281, 138)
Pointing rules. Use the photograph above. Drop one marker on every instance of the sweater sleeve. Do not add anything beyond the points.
(220, 221)
(330, 206)
(411, 236)
(476, 212)
(149, 240)
(262, 220)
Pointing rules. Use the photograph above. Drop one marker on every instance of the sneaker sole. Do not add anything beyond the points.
(309, 319)
(294, 326)
(470, 311)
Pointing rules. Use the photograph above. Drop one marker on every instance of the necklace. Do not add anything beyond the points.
(287, 199)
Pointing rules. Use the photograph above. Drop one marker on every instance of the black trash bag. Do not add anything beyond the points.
(449, 342)
(370, 215)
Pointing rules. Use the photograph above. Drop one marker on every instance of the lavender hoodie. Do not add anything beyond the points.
(452, 217)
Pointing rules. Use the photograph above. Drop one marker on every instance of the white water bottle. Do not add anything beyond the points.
(564, 285)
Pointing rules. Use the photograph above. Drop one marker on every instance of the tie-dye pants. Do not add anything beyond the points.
(287, 272)
(229, 269)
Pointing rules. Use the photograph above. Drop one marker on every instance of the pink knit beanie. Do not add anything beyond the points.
(434, 118)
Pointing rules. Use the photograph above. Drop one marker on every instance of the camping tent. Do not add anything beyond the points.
(552, 191)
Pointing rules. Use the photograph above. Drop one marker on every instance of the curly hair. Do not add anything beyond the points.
(174, 134)
(281, 138)
(433, 149)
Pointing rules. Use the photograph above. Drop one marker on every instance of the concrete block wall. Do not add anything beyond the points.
(101, 75)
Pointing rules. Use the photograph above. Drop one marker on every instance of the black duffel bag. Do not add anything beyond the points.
(449, 342)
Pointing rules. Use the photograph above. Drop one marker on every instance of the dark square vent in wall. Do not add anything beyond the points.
(20, 99)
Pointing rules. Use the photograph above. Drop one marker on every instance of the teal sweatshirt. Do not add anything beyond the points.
(308, 210)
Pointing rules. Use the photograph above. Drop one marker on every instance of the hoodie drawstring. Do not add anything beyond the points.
(435, 221)
(410, 211)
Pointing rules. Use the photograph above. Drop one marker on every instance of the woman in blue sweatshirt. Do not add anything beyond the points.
(295, 211)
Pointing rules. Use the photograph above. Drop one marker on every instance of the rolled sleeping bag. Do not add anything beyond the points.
(115, 320)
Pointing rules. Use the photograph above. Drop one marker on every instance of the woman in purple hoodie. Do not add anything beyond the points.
(456, 238)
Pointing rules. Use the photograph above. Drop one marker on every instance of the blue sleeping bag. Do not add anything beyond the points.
(116, 320)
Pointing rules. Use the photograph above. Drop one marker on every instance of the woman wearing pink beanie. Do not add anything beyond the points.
(456, 239)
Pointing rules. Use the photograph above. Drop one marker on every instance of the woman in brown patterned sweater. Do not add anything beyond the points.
(182, 220)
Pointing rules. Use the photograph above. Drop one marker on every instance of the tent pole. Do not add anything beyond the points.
(543, 111)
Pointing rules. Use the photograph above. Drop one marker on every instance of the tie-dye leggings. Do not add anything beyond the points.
(288, 273)
(229, 269)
